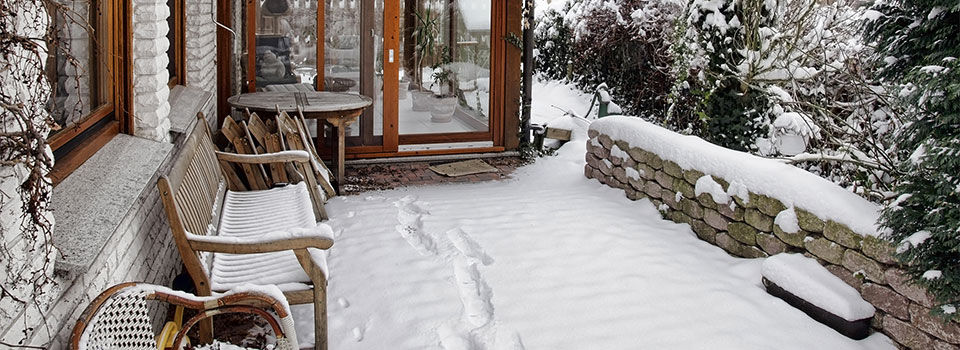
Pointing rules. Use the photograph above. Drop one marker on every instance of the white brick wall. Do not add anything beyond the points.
(18, 83)
(202, 47)
(150, 107)
(140, 251)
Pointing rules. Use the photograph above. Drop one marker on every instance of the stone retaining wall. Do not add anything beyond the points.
(746, 228)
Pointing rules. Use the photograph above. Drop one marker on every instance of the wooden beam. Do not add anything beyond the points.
(224, 58)
(391, 70)
(321, 43)
(251, 29)
(511, 78)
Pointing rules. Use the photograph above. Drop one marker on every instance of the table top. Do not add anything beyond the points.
(312, 101)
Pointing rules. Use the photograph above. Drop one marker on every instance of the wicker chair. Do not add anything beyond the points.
(119, 318)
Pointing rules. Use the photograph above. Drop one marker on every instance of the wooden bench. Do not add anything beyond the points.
(227, 238)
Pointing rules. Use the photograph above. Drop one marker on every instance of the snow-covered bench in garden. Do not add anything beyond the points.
(228, 238)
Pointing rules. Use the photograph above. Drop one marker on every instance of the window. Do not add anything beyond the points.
(177, 52)
(87, 47)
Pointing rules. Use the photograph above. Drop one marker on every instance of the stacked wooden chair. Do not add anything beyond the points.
(262, 135)
(119, 318)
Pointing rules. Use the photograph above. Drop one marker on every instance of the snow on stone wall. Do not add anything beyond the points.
(150, 106)
(733, 216)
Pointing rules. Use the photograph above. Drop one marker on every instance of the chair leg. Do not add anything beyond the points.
(206, 325)
(319, 297)
(206, 330)
(320, 316)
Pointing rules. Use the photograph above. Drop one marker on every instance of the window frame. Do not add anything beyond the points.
(178, 46)
(77, 142)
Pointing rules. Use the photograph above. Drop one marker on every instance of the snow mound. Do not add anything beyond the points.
(705, 184)
(787, 221)
(792, 186)
(805, 278)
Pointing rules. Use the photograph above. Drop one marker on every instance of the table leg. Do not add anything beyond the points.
(341, 135)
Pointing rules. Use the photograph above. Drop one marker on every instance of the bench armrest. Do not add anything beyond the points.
(318, 237)
(266, 158)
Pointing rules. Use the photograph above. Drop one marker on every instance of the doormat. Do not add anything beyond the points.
(467, 167)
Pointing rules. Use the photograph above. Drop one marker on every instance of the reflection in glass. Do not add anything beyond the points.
(72, 66)
(286, 43)
(342, 46)
(446, 67)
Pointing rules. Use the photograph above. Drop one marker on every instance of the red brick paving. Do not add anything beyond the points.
(369, 177)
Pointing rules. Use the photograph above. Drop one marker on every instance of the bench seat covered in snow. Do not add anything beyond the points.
(806, 285)
(227, 238)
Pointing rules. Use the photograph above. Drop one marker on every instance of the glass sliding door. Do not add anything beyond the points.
(426, 63)
(445, 79)
(291, 52)
(353, 61)
(285, 44)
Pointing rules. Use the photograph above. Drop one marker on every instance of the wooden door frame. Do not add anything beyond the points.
(494, 131)
(504, 75)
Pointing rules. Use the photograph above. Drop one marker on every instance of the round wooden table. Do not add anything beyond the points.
(338, 109)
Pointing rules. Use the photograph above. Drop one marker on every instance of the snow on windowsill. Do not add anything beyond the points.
(792, 186)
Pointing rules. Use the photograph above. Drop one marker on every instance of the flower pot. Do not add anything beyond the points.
(422, 100)
(442, 109)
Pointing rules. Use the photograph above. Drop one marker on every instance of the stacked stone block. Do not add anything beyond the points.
(150, 91)
(745, 228)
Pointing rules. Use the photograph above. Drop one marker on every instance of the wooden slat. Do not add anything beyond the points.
(276, 130)
(257, 128)
(233, 179)
(256, 150)
(271, 124)
(301, 126)
(254, 178)
(286, 123)
(277, 170)
(294, 173)
(231, 129)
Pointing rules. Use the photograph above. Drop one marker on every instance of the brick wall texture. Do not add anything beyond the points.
(201, 45)
(141, 248)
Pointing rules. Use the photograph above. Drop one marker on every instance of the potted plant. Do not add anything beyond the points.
(425, 34)
(445, 101)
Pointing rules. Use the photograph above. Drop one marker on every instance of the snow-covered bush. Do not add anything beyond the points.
(624, 44)
(764, 69)
(919, 43)
(552, 40)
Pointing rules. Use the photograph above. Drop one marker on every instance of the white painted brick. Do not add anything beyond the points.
(148, 65)
(145, 10)
(151, 30)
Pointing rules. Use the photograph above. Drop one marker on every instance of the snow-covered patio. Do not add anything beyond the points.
(545, 260)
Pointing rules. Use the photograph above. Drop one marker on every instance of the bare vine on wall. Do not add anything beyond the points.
(27, 252)
(25, 126)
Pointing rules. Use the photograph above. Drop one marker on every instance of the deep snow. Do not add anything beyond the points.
(544, 260)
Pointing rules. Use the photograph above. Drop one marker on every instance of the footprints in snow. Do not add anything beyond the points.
(410, 216)
(467, 246)
(474, 293)
(457, 248)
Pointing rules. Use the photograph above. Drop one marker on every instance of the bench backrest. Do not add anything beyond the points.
(191, 190)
